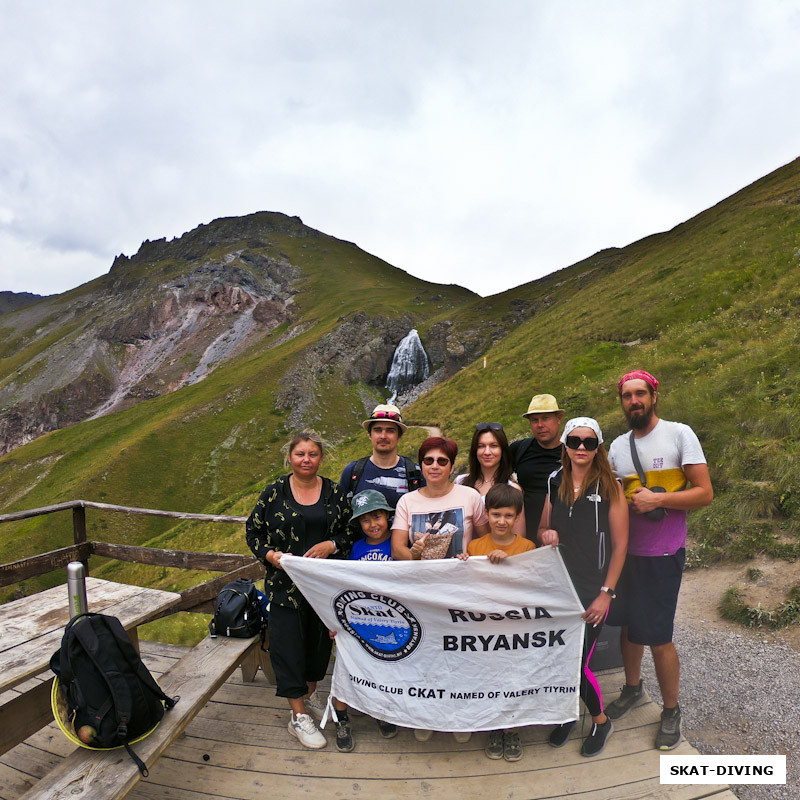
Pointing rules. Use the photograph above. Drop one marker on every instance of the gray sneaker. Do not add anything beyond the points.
(629, 697)
(315, 705)
(669, 732)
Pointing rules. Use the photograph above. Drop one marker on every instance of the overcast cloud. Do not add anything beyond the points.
(479, 143)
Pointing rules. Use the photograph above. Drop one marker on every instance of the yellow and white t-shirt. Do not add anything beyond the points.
(663, 453)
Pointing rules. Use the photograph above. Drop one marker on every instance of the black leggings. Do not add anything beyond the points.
(299, 648)
(590, 688)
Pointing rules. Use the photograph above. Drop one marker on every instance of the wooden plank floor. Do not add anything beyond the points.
(239, 748)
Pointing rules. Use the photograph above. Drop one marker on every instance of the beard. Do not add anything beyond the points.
(639, 419)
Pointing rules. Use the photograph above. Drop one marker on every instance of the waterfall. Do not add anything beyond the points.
(409, 365)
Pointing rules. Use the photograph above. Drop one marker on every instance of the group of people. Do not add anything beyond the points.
(617, 516)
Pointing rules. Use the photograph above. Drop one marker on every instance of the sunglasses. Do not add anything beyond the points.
(489, 426)
(590, 442)
(441, 461)
(386, 415)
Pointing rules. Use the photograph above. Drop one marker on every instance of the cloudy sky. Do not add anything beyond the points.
(479, 143)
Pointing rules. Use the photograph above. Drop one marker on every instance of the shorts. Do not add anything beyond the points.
(647, 597)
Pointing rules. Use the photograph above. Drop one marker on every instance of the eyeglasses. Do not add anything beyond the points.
(590, 442)
(441, 461)
(489, 426)
(386, 415)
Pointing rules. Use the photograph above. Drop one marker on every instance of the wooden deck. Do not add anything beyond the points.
(239, 748)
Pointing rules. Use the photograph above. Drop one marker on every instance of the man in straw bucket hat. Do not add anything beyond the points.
(385, 470)
(537, 456)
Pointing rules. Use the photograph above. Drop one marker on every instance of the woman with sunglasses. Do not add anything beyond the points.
(585, 515)
(490, 464)
(437, 520)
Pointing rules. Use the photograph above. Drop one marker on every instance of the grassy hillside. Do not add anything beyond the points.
(711, 308)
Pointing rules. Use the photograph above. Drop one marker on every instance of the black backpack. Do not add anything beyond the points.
(413, 475)
(105, 685)
(237, 612)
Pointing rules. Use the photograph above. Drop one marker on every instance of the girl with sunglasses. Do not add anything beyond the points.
(585, 515)
(490, 464)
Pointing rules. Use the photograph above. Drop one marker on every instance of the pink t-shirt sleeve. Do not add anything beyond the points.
(402, 519)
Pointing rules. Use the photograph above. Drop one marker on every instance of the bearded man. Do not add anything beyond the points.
(664, 473)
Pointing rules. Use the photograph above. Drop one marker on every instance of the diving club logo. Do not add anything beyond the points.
(385, 628)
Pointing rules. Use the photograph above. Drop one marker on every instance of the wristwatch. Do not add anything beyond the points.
(335, 547)
(609, 591)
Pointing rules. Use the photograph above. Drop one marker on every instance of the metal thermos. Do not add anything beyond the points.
(76, 585)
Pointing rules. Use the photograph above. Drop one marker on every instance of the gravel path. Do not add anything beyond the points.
(740, 694)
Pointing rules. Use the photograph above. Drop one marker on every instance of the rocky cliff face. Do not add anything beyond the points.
(130, 337)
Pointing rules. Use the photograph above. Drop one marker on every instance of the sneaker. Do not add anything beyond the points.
(462, 738)
(597, 738)
(628, 698)
(344, 736)
(560, 734)
(421, 735)
(494, 747)
(512, 747)
(388, 731)
(315, 705)
(303, 727)
(669, 732)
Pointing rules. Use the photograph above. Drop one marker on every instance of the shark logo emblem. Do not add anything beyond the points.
(384, 627)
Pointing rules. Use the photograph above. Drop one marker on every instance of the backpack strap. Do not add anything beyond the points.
(413, 474)
(133, 658)
(356, 471)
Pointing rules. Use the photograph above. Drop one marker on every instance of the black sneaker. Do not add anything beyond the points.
(388, 731)
(628, 698)
(559, 735)
(669, 732)
(597, 738)
(512, 747)
(494, 747)
(344, 737)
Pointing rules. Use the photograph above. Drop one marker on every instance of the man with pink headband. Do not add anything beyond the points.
(670, 478)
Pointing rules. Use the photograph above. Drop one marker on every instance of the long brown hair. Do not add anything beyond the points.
(600, 472)
(504, 469)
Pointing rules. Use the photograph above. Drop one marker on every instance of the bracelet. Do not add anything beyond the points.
(609, 591)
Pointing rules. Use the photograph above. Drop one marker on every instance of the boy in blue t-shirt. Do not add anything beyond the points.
(372, 512)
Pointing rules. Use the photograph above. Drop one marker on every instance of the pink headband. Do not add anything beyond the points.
(641, 375)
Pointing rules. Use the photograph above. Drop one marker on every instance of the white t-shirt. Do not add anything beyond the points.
(456, 513)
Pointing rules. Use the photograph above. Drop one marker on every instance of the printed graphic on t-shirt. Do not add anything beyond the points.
(445, 529)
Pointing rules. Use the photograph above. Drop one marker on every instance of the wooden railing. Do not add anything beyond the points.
(198, 598)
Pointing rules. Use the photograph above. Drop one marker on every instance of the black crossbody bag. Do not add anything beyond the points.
(657, 513)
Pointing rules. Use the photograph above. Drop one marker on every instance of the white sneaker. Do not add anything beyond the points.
(315, 705)
(462, 737)
(303, 727)
(422, 735)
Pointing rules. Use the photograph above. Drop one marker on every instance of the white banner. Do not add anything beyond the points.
(451, 645)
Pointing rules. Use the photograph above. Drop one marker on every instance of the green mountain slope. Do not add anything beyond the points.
(711, 308)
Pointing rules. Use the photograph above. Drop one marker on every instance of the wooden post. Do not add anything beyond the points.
(79, 530)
